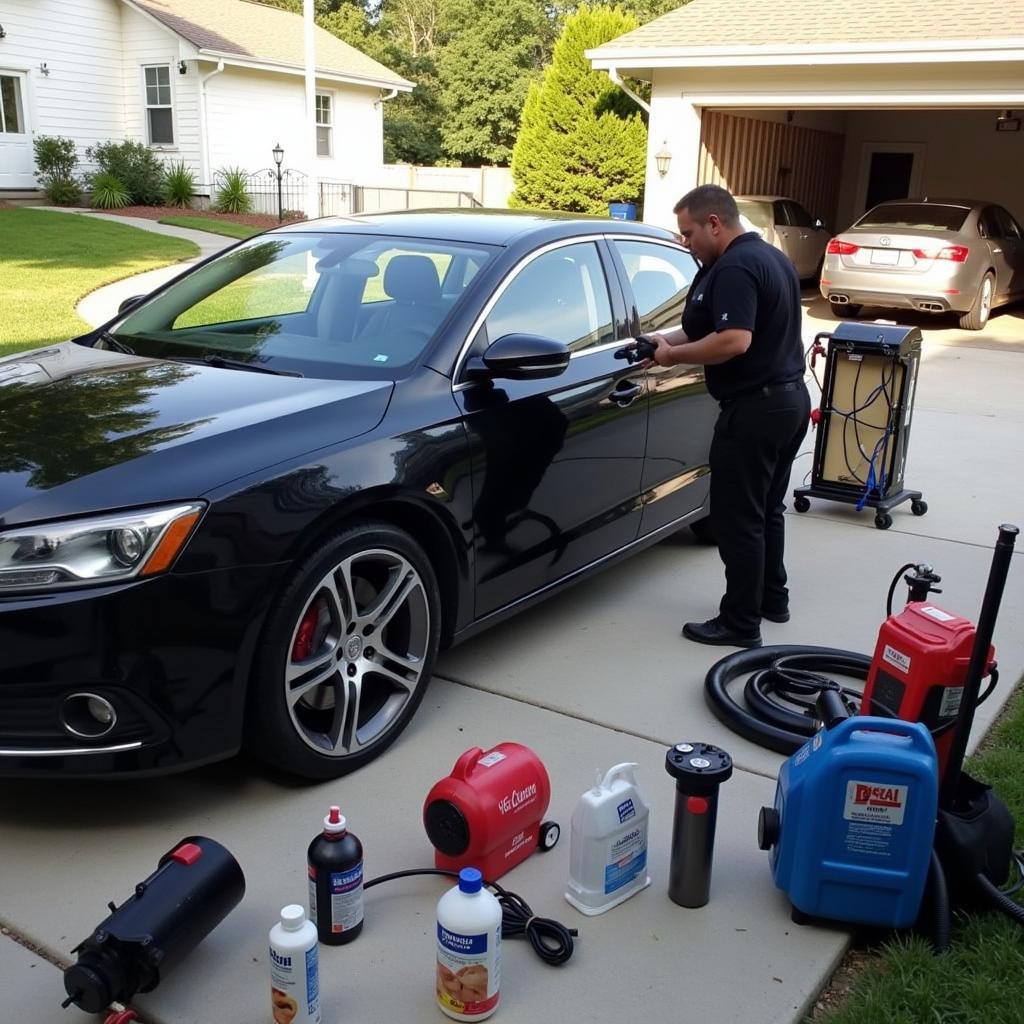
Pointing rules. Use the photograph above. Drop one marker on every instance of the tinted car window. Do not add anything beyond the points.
(759, 215)
(659, 277)
(923, 216)
(988, 225)
(562, 295)
(798, 215)
(324, 305)
(1008, 227)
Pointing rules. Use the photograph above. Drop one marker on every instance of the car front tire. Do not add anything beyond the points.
(346, 654)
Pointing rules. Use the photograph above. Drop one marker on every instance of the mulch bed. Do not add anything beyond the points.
(255, 220)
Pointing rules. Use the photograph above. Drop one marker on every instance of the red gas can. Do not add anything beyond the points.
(919, 669)
(487, 813)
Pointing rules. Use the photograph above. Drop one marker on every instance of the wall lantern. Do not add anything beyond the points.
(1006, 122)
(663, 158)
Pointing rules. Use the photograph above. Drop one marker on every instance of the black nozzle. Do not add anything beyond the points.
(921, 582)
(831, 708)
(195, 886)
(643, 347)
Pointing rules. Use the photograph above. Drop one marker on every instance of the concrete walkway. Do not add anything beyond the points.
(593, 677)
(100, 305)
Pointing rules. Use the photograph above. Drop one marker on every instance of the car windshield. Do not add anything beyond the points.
(919, 216)
(759, 214)
(334, 305)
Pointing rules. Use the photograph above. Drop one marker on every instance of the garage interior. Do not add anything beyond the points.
(839, 163)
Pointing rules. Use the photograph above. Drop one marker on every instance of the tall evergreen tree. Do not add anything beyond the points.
(579, 146)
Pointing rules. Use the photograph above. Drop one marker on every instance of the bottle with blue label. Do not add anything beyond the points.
(294, 969)
(468, 979)
(608, 846)
(335, 865)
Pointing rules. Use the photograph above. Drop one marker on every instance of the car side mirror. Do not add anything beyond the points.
(520, 357)
(128, 304)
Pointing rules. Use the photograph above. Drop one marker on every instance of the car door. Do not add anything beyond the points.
(1012, 241)
(811, 240)
(556, 463)
(656, 278)
(991, 230)
(787, 234)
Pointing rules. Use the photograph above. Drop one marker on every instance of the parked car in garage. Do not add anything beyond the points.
(255, 505)
(932, 255)
(785, 224)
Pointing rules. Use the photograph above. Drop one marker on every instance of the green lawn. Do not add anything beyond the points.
(49, 261)
(213, 225)
(981, 979)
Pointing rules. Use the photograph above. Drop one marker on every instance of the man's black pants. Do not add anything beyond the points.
(756, 439)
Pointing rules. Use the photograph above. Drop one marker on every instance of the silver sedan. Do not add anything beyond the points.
(932, 255)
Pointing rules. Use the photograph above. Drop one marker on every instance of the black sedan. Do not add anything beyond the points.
(254, 506)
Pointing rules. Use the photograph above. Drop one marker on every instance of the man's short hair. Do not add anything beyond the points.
(705, 200)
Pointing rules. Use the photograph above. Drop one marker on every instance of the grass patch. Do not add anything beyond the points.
(981, 979)
(213, 225)
(49, 261)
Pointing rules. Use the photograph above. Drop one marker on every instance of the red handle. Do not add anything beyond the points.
(465, 763)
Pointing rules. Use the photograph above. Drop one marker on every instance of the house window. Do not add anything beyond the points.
(324, 123)
(159, 113)
(12, 120)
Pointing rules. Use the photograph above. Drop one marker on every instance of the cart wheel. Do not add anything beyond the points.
(919, 507)
(801, 504)
(548, 836)
(883, 520)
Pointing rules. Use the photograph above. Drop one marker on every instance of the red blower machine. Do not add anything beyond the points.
(488, 812)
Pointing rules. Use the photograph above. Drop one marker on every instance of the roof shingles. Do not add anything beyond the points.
(743, 23)
(246, 29)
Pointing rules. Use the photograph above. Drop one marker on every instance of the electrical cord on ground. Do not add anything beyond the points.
(550, 939)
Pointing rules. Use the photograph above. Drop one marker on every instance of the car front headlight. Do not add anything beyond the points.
(97, 549)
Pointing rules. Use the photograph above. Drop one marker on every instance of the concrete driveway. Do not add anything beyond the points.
(593, 677)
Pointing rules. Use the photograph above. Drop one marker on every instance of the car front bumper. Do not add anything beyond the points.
(171, 656)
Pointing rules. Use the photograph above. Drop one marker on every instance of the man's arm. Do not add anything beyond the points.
(717, 347)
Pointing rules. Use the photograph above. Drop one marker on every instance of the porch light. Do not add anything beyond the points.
(663, 158)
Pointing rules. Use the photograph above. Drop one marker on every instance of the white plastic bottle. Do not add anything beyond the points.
(294, 969)
(608, 844)
(468, 949)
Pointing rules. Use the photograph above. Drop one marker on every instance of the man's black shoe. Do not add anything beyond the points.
(714, 632)
(777, 616)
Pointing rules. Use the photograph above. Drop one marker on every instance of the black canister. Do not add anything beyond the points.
(699, 769)
(335, 862)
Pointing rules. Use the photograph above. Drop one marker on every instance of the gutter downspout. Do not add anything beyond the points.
(205, 126)
(383, 99)
(613, 74)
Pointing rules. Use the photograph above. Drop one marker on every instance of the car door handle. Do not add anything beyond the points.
(626, 393)
(997, 251)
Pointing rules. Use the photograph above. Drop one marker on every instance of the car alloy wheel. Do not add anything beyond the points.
(353, 641)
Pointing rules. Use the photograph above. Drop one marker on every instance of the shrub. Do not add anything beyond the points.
(134, 165)
(56, 160)
(232, 194)
(581, 145)
(108, 193)
(179, 185)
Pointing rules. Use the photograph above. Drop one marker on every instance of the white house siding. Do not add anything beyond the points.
(82, 97)
(143, 42)
(250, 112)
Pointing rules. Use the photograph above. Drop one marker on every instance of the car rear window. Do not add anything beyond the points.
(759, 215)
(920, 216)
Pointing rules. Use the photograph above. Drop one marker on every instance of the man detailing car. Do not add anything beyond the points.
(742, 321)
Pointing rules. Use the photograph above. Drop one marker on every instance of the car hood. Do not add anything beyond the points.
(83, 430)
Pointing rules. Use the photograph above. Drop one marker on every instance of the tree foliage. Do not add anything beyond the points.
(580, 146)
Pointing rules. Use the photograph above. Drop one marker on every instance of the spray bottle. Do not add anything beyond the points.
(294, 969)
(335, 864)
(468, 949)
(608, 848)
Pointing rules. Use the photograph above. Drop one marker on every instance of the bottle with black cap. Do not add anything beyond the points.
(335, 862)
(699, 769)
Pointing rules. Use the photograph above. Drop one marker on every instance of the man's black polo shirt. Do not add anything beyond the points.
(751, 286)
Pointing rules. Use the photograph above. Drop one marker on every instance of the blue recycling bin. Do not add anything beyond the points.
(622, 211)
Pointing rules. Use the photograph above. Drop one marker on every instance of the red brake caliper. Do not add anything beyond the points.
(304, 638)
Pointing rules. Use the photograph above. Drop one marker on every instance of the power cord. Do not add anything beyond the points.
(550, 939)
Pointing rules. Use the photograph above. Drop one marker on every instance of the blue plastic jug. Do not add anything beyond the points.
(854, 818)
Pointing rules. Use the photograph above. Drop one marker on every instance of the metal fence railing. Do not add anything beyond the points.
(369, 199)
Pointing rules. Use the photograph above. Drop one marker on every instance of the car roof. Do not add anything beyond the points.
(967, 204)
(765, 199)
(488, 227)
